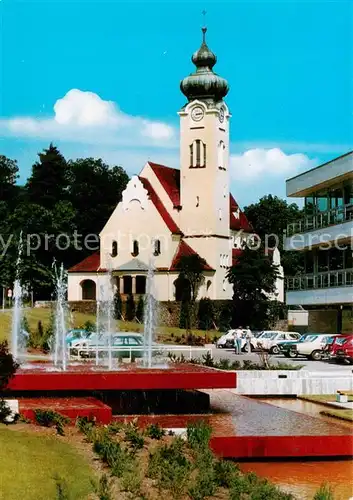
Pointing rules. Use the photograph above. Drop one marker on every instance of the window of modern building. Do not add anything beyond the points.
(322, 261)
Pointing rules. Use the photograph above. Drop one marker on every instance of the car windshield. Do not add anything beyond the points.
(310, 338)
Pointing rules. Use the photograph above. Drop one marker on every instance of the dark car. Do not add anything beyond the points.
(286, 347)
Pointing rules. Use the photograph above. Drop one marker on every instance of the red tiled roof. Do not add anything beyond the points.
(170, 180)
(90, 264)
(183, 250)
(236, 223)
(172, 226)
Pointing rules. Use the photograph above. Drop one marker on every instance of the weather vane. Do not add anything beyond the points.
(204, 12)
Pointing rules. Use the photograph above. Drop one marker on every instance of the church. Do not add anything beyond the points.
(167, 213)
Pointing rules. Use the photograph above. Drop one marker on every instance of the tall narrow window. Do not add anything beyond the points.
(221, 150)
(135, 248)
(114, 249)
(157, 247)
(198, 154)
(191, 155)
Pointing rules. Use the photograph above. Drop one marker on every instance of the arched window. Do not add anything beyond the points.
(198, 154)
(88, 288)
(114, 249)
(135, 248)
(182, 289)
(157, 247)
(220, 154)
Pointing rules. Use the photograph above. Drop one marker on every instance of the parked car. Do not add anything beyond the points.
(342, 349)
(77, 334)
(226, 341)
(285, 347)
(270, 340)
(312, 347)
(86, 347)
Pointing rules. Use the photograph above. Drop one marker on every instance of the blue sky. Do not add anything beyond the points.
(289, 65)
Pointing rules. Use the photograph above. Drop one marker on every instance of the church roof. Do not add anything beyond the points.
(90, 264)
(172, 226)
(184, 250)
(170, 180)
(239, 222)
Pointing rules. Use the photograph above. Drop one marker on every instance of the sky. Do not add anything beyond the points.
(101, 79)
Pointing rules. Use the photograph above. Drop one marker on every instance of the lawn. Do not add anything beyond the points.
(341, 414)
(35, 315)
(29, 462)
(324, 398)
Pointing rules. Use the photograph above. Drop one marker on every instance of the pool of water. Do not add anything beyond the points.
(303, 479)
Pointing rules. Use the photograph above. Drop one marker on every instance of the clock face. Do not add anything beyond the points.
(197, 114)
(221, 115)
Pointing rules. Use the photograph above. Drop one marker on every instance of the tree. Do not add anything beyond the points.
(270, 216)
(130, 308)
(205, 314)
(94, 190)
(118, 305)
(8, 177)
(49, 180)
(8, 365)
(191, 269)
(254, 282)
(185, 319)
(140, 308)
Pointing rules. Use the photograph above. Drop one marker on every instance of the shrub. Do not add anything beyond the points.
(131, 481)
(5, 411)
(134, 437)
(324, 493)
(198, 435)
(89, 326)
(205, 314)
(154, 431)
(225, 318)
(207, 360)
(104, 488)
(8, 365)
(130, 308)
(85, 425)
(50, 418)
(224, 472)
(185, 319)
(118, 305)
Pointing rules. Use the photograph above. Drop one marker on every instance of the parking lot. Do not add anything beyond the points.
(309, 365)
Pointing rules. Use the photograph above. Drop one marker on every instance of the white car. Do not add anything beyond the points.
(312, 347)
(270, 339)
(226, 341)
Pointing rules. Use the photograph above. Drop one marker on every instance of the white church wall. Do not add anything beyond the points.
(74, 289)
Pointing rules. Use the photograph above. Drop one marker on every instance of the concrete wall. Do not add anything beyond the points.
(295, 383)
(322, 296)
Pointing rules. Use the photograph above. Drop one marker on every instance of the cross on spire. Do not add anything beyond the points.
(204, 28)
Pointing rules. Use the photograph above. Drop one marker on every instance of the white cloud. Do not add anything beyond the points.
(85, 117)
(256, 163)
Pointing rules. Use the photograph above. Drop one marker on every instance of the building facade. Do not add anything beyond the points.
(325, 237)
(168, 213)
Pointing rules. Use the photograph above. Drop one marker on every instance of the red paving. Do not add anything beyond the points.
(80, 378)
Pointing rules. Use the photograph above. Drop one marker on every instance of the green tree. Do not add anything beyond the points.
(130, 308)
(49, 180)
(205, 314)
(118, 305)
(185, 316)
(270, 216)
(254, 281)
(8, 177)
(140, 308)
(94, 190)
(191, 268)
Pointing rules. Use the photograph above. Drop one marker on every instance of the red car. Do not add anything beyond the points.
(342, 348)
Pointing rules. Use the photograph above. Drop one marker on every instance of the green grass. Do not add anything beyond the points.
(29, 462)
(341, 414)
(78, 319)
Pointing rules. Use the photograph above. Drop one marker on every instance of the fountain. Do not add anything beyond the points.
(59, 351)
(105, 322)
(17, 335)
(150, 315)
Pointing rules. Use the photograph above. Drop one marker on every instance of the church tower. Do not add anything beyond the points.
(204, 158)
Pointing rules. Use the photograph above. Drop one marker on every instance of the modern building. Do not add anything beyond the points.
(171, 213)
(325, 237)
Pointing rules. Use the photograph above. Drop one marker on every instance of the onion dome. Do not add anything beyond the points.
(204, 84)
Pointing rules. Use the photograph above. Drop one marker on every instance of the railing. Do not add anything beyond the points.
(329, 279)
(160, 350)
(320, 220)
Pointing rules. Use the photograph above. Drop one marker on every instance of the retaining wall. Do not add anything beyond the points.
(292, 383)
